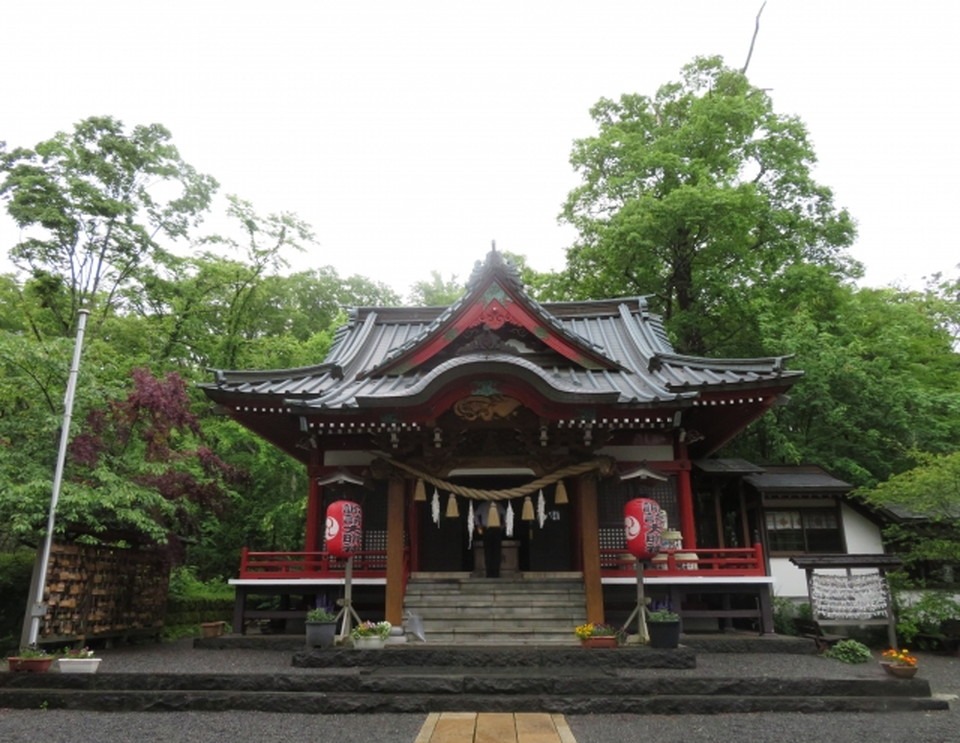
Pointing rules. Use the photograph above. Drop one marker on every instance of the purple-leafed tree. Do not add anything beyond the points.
(140, 470)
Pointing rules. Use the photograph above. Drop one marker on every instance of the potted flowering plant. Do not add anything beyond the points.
(593, 635)
(30, 660)
(321, 627)
(663, 626)
(368, 635)
(899, 663)
(78, 660)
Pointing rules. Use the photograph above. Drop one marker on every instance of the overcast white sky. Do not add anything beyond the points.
(411, 134)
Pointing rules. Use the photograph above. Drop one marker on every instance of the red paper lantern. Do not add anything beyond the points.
(344, 533)
(641, 521)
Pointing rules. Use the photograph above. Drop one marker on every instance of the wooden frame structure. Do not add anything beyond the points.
(849, 611)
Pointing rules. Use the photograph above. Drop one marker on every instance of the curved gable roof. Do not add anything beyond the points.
(494, 297)
(607, 352)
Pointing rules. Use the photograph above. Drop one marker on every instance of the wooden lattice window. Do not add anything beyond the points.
(801, 530)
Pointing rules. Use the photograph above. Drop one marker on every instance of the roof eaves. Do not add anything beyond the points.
(225, 377)
(551, 384)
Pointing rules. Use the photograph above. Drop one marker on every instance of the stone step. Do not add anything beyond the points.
(356, 703)
(586, 688)
(518, 601)
(570, 661)
(446, 591)
(504, 626)
(469, 609)
(423, 678)
(707, 644)
(519, 611)
(507, 599)
(492, 639)
(498, 639)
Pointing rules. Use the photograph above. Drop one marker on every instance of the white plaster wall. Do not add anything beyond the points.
(789, 581)
(862, 537)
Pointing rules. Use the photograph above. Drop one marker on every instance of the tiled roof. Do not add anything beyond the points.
(797, 479)
(639, 366)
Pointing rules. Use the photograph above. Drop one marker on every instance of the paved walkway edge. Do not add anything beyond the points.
(563, 730)
(428, 726)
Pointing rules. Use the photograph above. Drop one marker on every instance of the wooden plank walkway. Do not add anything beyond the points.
(494, 727)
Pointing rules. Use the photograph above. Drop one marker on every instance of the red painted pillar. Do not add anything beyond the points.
(313, 540)
(688, 523)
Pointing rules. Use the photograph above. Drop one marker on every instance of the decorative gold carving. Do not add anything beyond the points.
(485, 408)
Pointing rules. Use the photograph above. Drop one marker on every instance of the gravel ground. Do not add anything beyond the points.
(56, 726)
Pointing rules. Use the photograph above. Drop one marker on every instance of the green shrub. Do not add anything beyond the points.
(16, 569)
(185, 585)
(191, 601)
(850, 651)
(924, 615)
(784, 612)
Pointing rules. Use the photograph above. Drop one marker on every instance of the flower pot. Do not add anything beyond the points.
(368, 643)
(664, 635)
(599, 641)
(212, 629)
(78, 665)
(320, 634)
(900, 672)
(29, 665)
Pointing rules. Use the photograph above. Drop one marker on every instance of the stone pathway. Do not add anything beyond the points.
(494, 727)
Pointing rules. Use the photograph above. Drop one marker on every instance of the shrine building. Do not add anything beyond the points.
(559, 413)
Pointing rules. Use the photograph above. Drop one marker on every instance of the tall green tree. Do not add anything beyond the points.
(882, 380)
(926, 501)
(695, 196)
(94, 203)
(220, 291)
(942, 295)
(437, 292)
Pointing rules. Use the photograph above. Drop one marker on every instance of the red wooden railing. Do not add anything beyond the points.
(614, 562)
(292, 565)
(701, 562)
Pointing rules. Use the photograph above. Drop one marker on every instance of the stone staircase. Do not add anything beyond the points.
(540, 608)
(420, 678)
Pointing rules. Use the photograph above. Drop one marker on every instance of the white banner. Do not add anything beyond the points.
(862, 596)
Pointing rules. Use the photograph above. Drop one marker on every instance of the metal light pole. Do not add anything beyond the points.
(35, 606)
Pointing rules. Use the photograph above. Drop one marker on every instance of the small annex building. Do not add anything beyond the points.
(560, 412)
